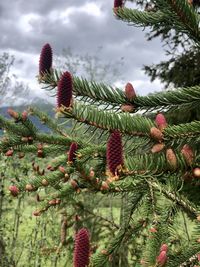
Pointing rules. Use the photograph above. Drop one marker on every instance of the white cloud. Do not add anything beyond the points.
(26, 22)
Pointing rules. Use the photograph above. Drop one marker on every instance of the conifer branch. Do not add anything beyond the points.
(125, 123)
(47, 121)
(140, 18)
(180, 200)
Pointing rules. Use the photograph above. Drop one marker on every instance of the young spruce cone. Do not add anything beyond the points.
(14, 190)
(171, 158)
(161, 121)
(118, 3)
(82, 248)
(114, 155)
(188, 154)
(130, 91)
(64, 93)
(45, 62)
(162, 258)
(72, 152)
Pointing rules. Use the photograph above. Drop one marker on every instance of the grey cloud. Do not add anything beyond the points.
(84, 33)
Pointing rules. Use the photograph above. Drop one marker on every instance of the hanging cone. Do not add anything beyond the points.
(64, 93)
(45, 62)
(82, 248)
(114, 155)
(72, 152)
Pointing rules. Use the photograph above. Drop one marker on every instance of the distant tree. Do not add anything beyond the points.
(90, 66)
(182, 67)
(10, 88)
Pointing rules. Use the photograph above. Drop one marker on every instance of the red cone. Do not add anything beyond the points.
(72, 152)
(45, 62)
(114, 152)
(64, 93)
(118, 3)
(82, 248)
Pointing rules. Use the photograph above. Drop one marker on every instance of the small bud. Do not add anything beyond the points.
(127, 108)
(161, 121)
(9, 153)
(62, 169)
(66, 178)
(14, 190)
(24, 115)
(74, 184)
(198, 257)
(40, 146)
(29, 188)
(30, 140)
(21, 155)
(13, 114)
(171, 158)
(40, 153)
(164, 247)
(50, 168)
(162, 259)
(58, 201)
(157, 148)
(143, 262)
(104, 186)
(45, 182)
(156, 134)
(196, 172)
(104, 252)
(92, 174)
(36, 213)
(153, 230)
(130, 91)
(24, 139)
(52, 202)
(188, 154)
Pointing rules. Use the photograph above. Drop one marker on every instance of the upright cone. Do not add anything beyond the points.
(130, 91)
(72, 152)
(161, 121)
(45, 62)
(118, 3)
(64, 93)
(82, 248)
(114, 155)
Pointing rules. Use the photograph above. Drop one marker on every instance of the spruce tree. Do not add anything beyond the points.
(121, 144)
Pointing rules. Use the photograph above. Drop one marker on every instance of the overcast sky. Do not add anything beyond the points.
(83, 25)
